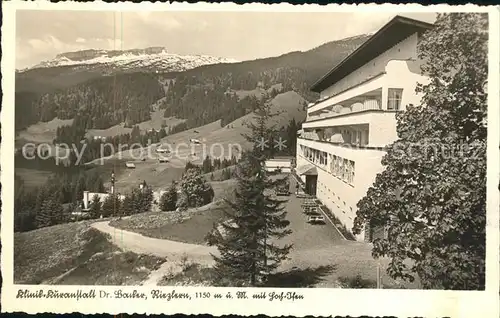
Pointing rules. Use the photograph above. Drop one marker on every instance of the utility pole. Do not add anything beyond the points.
(112, 192)
(379, 282)
(112, 182)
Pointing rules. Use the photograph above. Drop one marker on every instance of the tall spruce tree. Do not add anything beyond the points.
(95, 207)
(146, 199)
(168, 200)
(247, 241)
(111, 206)
(207, 165)
(129, 205)
(51, 212)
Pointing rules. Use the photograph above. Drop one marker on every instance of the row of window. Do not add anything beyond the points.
(355, 136)
(342, 168)
(337, 166)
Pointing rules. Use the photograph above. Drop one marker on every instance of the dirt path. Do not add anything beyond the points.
(137, 243)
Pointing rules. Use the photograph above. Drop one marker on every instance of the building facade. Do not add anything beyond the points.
(343, 139)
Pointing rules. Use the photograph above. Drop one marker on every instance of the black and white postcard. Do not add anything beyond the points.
(255, 159)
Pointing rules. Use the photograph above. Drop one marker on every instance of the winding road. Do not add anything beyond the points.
(172, 250)
(314, 246)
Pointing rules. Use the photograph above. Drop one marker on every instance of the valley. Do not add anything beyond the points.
(197, 107)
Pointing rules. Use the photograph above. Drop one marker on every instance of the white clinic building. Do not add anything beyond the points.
(342, 141)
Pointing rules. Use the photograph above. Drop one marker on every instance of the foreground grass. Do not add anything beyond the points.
(116, 268)
(75, 253)
(324, 276)
(188, 227)
(350, 264)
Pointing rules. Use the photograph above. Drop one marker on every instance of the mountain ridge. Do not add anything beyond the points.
(150, 58)
(198, 95)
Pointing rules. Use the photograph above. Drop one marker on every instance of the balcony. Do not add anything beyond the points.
(371, 86)
(373, 93)
(369, 101)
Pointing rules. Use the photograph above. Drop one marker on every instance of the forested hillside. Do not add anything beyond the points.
(208, 93)
(201, 95)
(102, 102)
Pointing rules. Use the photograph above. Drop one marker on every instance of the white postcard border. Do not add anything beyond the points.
(319, 301)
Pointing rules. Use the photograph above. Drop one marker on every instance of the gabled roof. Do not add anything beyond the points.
(396, 30)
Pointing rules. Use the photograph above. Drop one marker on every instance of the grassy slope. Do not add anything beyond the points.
(43, 132)
(212, 135)
(189, 227)
(74, 253)
(288, 105)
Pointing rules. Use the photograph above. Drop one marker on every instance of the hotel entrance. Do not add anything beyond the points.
(311, 181)
(311, 178)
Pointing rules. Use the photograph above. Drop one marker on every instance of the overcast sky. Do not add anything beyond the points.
(41, 35)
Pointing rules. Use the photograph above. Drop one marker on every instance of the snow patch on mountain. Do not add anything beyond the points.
(149, 58)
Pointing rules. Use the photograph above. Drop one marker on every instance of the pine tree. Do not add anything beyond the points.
(135, 134)
(43, 215)
(50, 213)
(40, 197)
(263, 132)
(95, 207)
(168, 200)
(111, 206)
(56, 212)
(196, 191)
(246, 242)
(127, 206)
(163, 133)
(79, 188)
(146, 199)
(226, 174)
(207, 165)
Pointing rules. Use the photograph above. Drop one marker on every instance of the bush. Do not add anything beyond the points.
(196, 191)
(168, 200)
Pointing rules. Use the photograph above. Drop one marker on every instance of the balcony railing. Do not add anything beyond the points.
(341, 143)
(339, 110)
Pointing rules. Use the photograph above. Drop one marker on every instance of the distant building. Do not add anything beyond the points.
(89, 196)
(162, 150)
(342, 141)
(102, 138)
(130, 165)
(279, 163)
